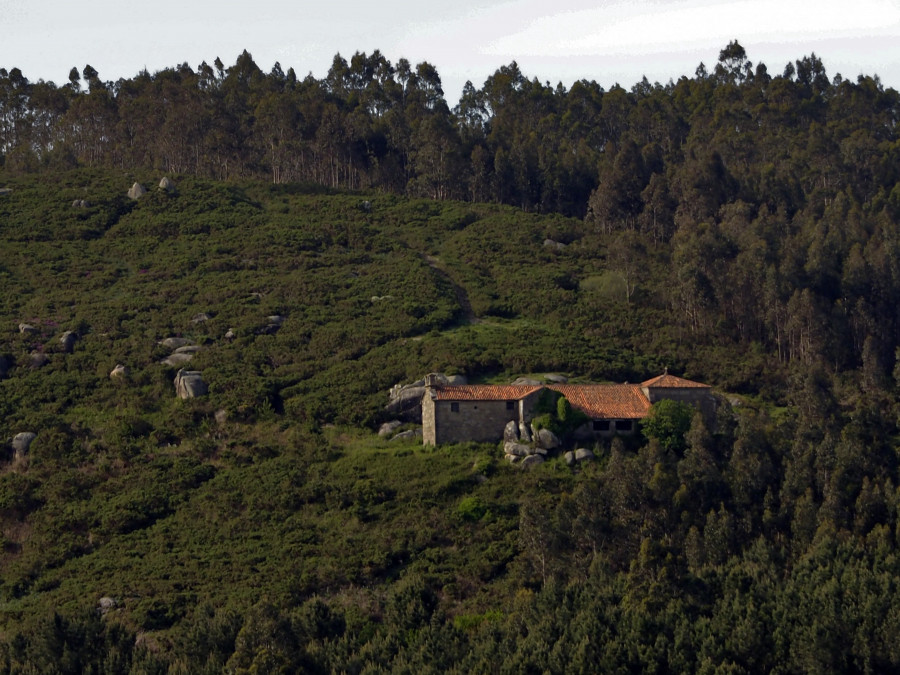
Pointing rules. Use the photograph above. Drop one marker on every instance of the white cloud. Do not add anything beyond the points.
(566, 40)
(654, 27)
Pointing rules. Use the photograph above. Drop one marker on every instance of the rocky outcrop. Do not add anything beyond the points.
(68, 340)
(408, 435)
(26, 328)
(190, 384)
(579, 455)
(388, 428)
(137, 191)
(21, 442)
(522, 381)
(176, 359)
(38, 359)
(167, 184)
(119, 372)
(202, 317)
(531, 460)
(174, 342)
(406, 401)
(106, 604)
(518, 448)
(511, 431)
(407, 404)
(273, 325)
(555, 245)
(583, 454)
(183, 351)
(401, 390)
(556, 378)
(524, 432)
(546, 439)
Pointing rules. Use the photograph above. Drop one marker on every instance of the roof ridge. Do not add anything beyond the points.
(667, 381)
(486, 392)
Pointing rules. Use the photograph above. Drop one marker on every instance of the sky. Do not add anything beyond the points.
(562, 41)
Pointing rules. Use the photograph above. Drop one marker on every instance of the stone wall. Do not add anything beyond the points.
(479, 421)
(588, 431)
(527, 405)
(461, 421)
(429, 436)
(446, 421)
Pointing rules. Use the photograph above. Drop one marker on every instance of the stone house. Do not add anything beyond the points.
(480, 412)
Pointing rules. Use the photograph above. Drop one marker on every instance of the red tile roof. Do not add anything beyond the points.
(666, 381)
(483, 392)
(597, 401)
(606, 401)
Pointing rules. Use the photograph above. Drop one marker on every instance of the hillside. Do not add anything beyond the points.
(267, 527)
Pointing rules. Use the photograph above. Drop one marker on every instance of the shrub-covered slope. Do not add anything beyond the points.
(265, 526)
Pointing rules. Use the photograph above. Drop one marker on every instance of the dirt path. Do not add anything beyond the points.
(461, 296)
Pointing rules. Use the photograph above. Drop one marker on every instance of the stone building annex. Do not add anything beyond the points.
(480, 412)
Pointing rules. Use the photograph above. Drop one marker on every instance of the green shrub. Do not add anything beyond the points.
(544, 421)
(668, 421)
(563, 409)
(471, 622)
(557, 414)
(471, 509)
(484, 466)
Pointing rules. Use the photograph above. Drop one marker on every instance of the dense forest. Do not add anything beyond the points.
(737, 227)
(737, 131)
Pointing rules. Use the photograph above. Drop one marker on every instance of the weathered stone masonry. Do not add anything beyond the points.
(474, 419)
(456, 414)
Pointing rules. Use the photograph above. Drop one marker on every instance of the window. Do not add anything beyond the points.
(510, 405)
(454, 407)
(601, 425)
(623, 425)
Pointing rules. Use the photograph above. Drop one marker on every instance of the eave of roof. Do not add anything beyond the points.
(597, 401)
(483, 392)
(606, 401)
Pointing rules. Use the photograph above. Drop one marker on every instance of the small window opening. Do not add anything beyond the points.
(454, 407)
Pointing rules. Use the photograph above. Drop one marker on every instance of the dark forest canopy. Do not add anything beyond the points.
(732, 132)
